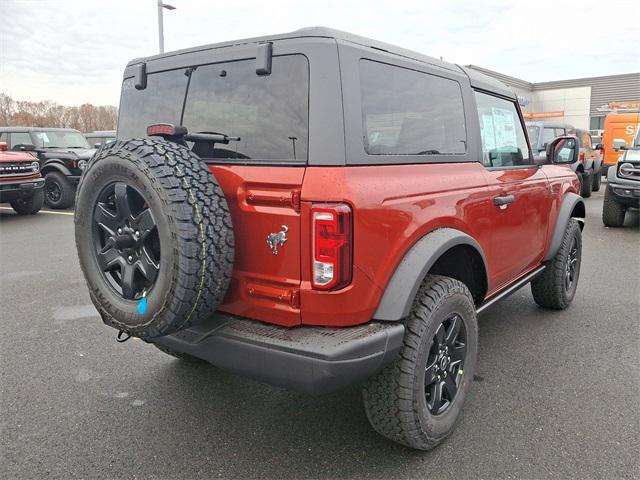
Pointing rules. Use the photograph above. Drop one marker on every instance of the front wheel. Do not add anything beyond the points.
(28, 206)
(59, 193)
(556, 286)
(612, 212)
(417, 399)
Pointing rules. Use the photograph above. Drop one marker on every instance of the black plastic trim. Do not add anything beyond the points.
(305, 358)
(568, 204)
(401, 290)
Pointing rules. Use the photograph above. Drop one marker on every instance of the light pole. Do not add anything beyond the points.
(161, 24)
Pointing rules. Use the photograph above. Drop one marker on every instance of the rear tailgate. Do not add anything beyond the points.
(264, 200)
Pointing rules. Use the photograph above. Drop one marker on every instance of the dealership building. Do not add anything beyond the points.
(581, 102)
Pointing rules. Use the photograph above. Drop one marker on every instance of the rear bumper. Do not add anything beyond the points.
(15, 189)
(308, 359)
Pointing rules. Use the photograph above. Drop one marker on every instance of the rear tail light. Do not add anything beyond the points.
(582, 156)
(332, 244)
(3, 147)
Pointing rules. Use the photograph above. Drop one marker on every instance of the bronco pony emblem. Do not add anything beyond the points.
(275, 239)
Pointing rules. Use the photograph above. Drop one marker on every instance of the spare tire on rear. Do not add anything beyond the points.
(154, 237)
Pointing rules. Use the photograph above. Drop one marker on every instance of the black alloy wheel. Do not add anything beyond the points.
(445, 364)
(127, 246)
(570, 268)
(53, 192)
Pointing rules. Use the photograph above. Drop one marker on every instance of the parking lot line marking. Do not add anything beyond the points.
(42, 211)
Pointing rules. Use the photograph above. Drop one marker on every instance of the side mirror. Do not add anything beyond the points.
(619, 144)
(96, 145)
(563, 150)
(598, 146)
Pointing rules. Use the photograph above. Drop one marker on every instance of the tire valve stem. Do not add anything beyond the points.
(142, 305)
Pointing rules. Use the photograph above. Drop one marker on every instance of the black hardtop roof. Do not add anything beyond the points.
(479, 79)
(37, 129)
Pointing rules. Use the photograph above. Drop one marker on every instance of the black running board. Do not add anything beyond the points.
(511, 289)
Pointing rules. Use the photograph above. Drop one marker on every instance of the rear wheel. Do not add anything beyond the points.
(154, 237)
(418, 398)
(612, 211)
(556, 286)
(597, 181)
(585, 185)
(30, 205)
(59, 192)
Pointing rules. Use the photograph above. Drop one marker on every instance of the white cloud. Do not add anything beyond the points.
(74, 51)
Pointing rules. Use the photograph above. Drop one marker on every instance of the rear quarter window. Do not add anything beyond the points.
(406, 112)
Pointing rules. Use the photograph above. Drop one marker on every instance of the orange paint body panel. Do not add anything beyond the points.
(262, 199)
(393, 207)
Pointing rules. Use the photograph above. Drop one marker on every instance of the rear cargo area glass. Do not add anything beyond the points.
(270, 113)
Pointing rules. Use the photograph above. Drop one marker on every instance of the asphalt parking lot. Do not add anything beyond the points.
(556, 394)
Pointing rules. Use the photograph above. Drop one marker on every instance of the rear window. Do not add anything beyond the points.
(270, 113)
(405, 112)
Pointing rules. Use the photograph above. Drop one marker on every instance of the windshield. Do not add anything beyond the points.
(533, 132)
(60, 139)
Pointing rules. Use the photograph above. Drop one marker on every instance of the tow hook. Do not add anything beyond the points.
(121, 338)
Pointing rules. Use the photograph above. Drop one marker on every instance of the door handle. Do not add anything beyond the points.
(503, 202)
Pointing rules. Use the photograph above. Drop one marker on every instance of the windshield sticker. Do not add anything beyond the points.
(504, 123)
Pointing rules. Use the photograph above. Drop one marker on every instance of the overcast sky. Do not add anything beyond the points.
(74, 51)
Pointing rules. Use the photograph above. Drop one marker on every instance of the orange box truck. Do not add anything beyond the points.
(618, 126)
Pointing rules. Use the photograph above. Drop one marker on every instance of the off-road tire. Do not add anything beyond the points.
(585, 185)
(30, 205)
(193, 225)
(179, 355)
(612, 212)
(394, 399)
(597, 181)
(548, 288)
(67, 191)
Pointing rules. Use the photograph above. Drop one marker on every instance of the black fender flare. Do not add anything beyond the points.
(55, 165)
(401, 290)
(571, 203)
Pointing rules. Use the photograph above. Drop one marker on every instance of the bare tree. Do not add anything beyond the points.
(86, 117)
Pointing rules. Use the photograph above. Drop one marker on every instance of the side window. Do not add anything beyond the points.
(405, 112)
(20, 138)
(548, 134)
(560, 132)
(503, 140)
(3, 136)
